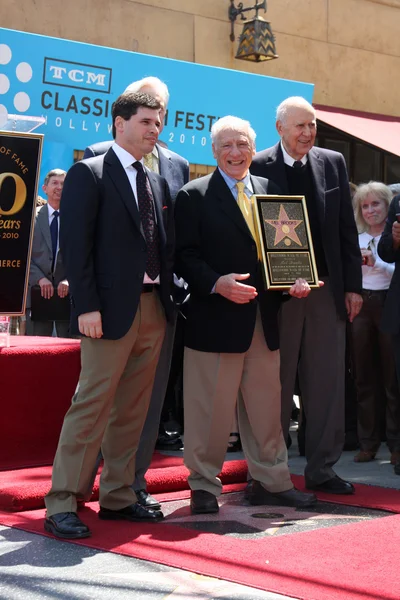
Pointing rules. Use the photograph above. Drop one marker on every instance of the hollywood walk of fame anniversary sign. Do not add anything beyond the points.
(284, 230)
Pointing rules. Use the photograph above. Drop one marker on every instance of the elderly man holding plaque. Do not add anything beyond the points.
(313, 329)
(231, 340)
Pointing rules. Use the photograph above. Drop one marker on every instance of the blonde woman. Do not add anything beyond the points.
(373, 353)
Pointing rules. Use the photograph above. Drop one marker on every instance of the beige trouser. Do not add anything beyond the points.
(108, 409)
(211, 388)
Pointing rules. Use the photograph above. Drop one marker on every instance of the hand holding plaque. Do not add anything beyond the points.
(284, 231)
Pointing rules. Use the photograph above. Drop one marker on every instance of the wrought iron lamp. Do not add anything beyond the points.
(257, 42)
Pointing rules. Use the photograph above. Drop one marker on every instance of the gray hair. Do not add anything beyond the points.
(154, 82)
(293, 102)
(53, 173)
(230, 123)
(377, 189)
(394, 188)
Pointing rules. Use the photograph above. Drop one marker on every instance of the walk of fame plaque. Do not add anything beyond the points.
(284, 231)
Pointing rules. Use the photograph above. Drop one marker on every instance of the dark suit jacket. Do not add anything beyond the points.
(103, 249)
(42, 254)
(338, 229)
(391, 312)
(212, 239)
(173, 167)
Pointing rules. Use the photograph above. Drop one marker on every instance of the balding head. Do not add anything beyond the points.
(296, 124)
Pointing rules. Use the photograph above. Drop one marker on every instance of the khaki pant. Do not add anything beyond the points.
(108, 410)
(212, 382)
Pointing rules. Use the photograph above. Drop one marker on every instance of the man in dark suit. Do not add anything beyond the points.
(117, 245)
(46, 268)
(389, 251)
(313, 329)
(232, 332)
(175, 169)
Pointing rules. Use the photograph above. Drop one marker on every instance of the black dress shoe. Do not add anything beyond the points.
(133, 512)
(202, 502)
(67, 526)
(336, 485)
(260, 496)
(144, 498)
(169, 442)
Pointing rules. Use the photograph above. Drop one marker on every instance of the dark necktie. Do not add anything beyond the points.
(298, 165)
(54, 237)
(148, 220)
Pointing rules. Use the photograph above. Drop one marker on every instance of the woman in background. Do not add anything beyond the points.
(373, 354)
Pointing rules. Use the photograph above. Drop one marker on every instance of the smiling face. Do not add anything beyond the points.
(233, 151)
(53, 190)
(298, 131)
(138, 134)
(374, 211)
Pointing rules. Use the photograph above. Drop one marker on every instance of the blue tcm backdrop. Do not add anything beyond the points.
(72, 85)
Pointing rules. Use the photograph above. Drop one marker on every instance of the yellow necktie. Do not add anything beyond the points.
(148, 161)
(245, 206)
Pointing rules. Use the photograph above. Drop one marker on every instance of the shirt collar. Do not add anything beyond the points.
(231, 182)
(155, 152)
(51, 210)
(289, 160)
(124, 157)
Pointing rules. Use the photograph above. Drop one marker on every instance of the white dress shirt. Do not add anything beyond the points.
(288, 160)
(380, 275)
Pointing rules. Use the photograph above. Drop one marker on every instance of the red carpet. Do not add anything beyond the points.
(24, 489)
(347, 562)
(38, 379)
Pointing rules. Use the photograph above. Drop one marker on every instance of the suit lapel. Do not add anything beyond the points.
(227, 202)
(43, 223)
(120, 180)
(257, 186)
(276, 169)
(165, 163)
(318, 174)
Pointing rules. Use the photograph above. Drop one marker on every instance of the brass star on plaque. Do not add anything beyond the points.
(285, 228)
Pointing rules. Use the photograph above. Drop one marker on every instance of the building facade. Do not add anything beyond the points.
(349, 49)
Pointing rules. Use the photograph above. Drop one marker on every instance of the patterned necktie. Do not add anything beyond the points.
(245, 206)
(54, 237)
(148, 220)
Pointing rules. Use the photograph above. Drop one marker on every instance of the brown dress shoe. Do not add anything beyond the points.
(260, 496)
(364, 456)
(202, 502)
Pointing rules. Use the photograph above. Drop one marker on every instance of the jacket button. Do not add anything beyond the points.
(140, 275)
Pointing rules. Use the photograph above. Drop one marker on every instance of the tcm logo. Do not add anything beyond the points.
(77, 75)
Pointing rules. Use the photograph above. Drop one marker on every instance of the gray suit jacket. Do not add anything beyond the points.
(173, 167)
(42, 254)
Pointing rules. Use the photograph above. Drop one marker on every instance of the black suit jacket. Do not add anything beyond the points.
(338, 229)
(212, 239)
(173, 167)
(391, 312)
(104, 251)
